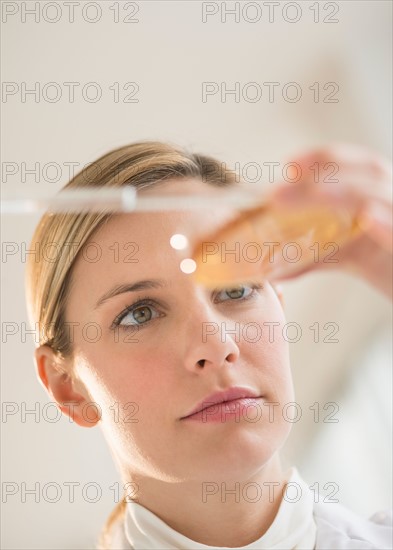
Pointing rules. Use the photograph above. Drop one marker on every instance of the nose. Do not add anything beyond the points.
(211, 340)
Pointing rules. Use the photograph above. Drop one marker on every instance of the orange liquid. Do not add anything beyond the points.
(268, 242)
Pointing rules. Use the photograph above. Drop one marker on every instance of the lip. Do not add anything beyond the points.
(216, 398)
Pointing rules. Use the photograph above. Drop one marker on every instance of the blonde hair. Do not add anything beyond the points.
(48, 280)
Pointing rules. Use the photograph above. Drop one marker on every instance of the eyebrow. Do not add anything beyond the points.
(134, 287)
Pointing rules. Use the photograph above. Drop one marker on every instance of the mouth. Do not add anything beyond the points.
(228, 401)
(228, 411)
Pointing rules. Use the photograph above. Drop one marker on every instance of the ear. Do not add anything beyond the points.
(70, 394)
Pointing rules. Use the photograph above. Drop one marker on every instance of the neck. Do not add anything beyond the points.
(228, 513)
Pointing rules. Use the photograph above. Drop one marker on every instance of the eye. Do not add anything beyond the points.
(139, 314)
(237, 293)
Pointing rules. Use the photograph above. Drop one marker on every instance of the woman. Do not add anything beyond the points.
(187, 474)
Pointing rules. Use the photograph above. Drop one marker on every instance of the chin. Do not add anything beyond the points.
(234, 457)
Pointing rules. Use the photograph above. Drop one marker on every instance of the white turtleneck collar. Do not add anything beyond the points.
(293, 527)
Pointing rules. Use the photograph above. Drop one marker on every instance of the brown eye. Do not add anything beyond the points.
(142, 314)
(138, 314)
(235, 292)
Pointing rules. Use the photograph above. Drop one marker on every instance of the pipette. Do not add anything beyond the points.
(22, 200)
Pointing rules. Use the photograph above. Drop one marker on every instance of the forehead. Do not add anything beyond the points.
(153, 230)
(134, 246)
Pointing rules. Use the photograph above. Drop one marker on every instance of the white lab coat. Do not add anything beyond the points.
(337, 529)
(307, 523)
(340, 528)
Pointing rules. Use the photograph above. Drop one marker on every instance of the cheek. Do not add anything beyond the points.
(132, 393)
(265, 346)
(271, 362)
(129, 382)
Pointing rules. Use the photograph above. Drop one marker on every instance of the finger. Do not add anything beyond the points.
(332, 164)
(376, 221)
(346, 156)
(346, 193)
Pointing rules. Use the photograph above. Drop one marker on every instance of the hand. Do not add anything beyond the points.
(353, 184)
(363, 183)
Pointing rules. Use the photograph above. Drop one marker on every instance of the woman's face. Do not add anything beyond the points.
(179, 345)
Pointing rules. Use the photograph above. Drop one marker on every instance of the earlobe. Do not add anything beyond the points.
(60, 385)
